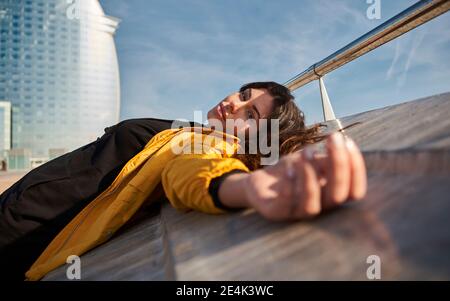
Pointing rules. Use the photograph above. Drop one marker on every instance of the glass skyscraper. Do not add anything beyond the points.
(59, 70)
(5, 127)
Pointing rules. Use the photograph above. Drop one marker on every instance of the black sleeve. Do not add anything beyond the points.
(38, 206)
(214, 186)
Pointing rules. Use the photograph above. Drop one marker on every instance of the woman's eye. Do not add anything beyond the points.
(247, 94)
(243, 96)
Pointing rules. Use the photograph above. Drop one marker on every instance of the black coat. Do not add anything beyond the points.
(36, 208)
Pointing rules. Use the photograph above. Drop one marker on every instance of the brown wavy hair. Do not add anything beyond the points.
(293, 133)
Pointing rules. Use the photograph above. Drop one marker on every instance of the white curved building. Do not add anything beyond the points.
(59, 70)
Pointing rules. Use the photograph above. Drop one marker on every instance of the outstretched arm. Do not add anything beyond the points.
(301, 184)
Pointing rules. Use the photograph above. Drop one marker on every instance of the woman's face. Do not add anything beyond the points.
(249, 105)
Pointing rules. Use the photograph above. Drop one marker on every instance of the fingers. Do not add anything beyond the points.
(299, 196)
(305, 183)
(308, 191)
(339, 163)
(325, 181)
(358, 185)
(304, 189)
(318, 161)
(338, 172)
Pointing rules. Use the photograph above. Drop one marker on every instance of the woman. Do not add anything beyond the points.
(50, 199)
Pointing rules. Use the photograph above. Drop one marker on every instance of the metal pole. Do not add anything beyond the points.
(416, 15)
(328, 113)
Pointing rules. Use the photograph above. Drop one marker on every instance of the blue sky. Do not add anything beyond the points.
(179, 56)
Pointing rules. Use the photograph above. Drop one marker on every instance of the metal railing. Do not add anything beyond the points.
(412, 17)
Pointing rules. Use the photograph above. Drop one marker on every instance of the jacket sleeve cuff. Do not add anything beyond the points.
(214, 187)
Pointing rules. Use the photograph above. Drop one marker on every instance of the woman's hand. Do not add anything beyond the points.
(303, 184)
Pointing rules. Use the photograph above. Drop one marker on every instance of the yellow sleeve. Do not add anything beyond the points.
(186, 179)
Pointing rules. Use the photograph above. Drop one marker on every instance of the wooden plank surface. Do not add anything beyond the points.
(401, 221)
(405, 219)
(137, 252)
(423, 124)
(7, 178)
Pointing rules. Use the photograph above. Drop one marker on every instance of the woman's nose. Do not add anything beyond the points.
(235, 103)
(233, 107)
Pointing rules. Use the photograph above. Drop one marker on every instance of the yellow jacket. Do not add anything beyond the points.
(184, 177)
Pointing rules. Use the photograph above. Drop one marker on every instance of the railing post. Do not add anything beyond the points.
(328, 113)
